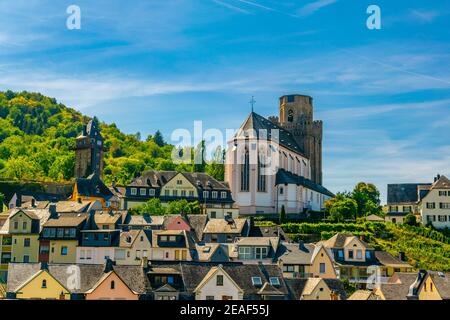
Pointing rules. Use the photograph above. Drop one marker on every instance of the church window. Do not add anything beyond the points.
(245, 172)
(261, 174)
(290, 116)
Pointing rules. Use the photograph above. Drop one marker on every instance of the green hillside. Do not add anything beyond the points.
(37, 135)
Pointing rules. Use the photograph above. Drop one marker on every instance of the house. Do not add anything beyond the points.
(134, 247)
(414, 286)
(267, 231)
(302, 261)
(5, 249)
(316, 289)
(34, 199)
(92, 188)
(110, 219)
(435, 204)
(24, 228)
(172, 245)
(274, 163)
(166, 283)
(119, 283)
(146, 222)
(60, 237)
(76, 282)
(358, 262)
(403, 199)
(98, 245)
(212, 252)
(225, 230)
(254, 249)
(234, 282)
(214, 196)
(35, 281)
(363, 295)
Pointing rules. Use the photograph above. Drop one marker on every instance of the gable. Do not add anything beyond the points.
(33, 287)
(103, 286)
(179, 182)
(211, 276)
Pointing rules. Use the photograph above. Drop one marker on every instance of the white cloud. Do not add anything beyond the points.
(312, 7)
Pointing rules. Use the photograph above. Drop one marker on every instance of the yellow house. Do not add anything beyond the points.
(409, 286)
(134, 247)
(92, 188)
(59, 238)
(42, 285)
(24, 228)
(306, 261)
(316, 289)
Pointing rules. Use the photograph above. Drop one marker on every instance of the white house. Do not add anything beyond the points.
(435, 204)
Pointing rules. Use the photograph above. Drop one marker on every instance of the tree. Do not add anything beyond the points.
(343, 209)
(2, 200)
(216, 168)
(410, 220)
(158, 139)
(152, 207)
(282, 215)
(367, 198)
(199, 157)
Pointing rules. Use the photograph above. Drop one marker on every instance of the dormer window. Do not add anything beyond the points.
(257, 281)
(274, 281)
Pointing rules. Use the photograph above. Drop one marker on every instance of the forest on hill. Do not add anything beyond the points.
(37, 137)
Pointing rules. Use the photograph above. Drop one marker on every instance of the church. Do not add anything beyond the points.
(276, 163)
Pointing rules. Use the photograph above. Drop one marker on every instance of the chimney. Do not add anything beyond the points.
(79, 200)
(44, 266)
(52, 210)
(362, 237)
(109, 266)
(33, 202)
(334, 295)
(401, 256)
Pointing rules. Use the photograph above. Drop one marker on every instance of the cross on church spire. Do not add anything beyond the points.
(252, 102)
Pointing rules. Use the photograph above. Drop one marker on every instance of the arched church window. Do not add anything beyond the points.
(290, 115)
(261, 173)
(245, 171)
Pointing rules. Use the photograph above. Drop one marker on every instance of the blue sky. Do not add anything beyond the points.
(384, 95)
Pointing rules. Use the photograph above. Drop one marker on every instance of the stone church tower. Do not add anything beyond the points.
(297, 116)
(89, 152)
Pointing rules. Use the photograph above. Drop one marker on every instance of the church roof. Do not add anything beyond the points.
(285, 138)
(285, 177)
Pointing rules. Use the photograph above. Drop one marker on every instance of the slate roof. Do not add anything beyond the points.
(222, 226)
(285, 138)
(157, 179)
(362, 295)
(295, 253)
(138, 220)
(93, 186)
(67, 220)
(442, 183)
(398, 290)
(386, 259)
(299, 287)
(273, 231)
(285, 177)
(133, 276)
(442, 282)
(197, 223)
(242, 274)
(340, 240)
(403, 193)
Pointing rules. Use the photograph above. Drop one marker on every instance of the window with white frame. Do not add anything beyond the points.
(444, 205)
(245, 253)
(223, 195)
(205, 194)
(442, 193)
(431, 205)
(133, 191)
(442, 218)
(143, 192)
(214, 194)
(261, 252)
(151, 192)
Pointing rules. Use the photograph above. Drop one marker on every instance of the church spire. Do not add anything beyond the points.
(252, 102)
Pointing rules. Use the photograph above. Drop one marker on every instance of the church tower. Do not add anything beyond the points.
(89, 152)
(297, 116)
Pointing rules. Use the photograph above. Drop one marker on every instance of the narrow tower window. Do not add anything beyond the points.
(290, 115)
